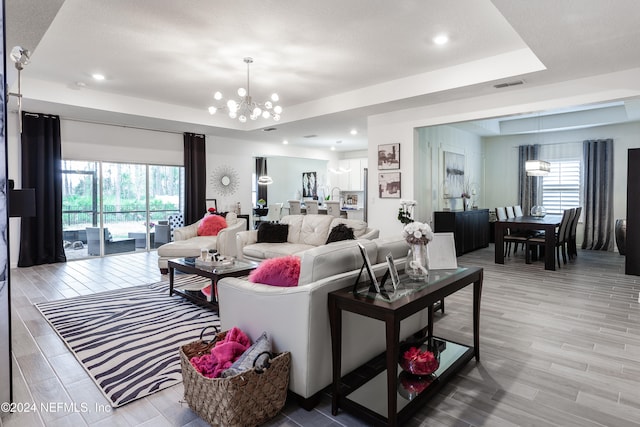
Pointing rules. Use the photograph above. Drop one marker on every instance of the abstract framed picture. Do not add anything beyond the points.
(453, 175)
(309, 184)
(389, 156)
(389, 185)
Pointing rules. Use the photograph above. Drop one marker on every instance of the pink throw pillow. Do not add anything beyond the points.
(211, 225)
(283, 271)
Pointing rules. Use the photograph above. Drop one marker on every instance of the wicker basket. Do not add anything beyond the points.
(246, 399)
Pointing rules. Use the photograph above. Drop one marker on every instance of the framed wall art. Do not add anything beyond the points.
(453, 175)
(309, 184)
(389, 185)
(389, 156)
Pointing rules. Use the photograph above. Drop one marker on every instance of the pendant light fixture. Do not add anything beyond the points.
(537, 167)
(245, 107)
(264, 179)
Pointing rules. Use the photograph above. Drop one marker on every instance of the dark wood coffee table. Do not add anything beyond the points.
(186, 265)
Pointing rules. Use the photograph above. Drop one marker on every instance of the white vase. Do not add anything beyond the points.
(417, 262)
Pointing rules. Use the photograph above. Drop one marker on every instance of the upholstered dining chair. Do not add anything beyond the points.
(274, 214)
(294, 207)
(333, 207)
(312, 206)
(561, 238)
(517, 210)
(509, 238)
(510, 212)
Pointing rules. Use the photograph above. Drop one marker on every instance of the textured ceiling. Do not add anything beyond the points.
(332, 62)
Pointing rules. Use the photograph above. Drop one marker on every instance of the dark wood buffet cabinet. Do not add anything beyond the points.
(470, 228)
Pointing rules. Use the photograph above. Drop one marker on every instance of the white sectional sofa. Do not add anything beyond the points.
(187, 243)
(297, 318)
(305, 232)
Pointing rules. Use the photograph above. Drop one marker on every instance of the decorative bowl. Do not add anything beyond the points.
(418, 360)
(410, 386)
(538, 211)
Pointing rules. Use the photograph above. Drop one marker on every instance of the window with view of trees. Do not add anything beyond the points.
(128, 200)
(561, 188)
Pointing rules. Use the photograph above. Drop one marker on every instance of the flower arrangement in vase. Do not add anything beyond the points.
(418, 235)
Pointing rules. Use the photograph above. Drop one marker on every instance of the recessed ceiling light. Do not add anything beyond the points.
(333, 148)
(97, 76)
(285, 142)
(441, 39)
(354, 131)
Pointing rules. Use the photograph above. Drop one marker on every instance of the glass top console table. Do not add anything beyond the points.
(363, 390)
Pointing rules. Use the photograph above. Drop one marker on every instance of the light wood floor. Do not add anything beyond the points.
(557, 349)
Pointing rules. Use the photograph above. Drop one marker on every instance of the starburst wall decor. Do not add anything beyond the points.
(224, 180)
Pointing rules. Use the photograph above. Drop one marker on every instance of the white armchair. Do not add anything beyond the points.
(187, 243)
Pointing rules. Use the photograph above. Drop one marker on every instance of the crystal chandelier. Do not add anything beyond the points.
(245, 107)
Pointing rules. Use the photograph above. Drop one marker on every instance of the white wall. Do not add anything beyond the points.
(436, 140)
(399, 126)
(287, 177)
(502, 159)
(88, 141)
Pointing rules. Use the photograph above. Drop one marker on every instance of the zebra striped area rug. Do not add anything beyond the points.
(128, 340)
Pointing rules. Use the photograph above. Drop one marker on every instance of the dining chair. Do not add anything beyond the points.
(294, 207)
(572, 248)
(275, 213)
(510, 237)
(312, 206)
(560, 238)
(333, 207)
(510, 213)
(517, 210)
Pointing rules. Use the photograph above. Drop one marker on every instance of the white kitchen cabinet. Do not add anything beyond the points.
(351, 177)
(355, 214)
(344, 175)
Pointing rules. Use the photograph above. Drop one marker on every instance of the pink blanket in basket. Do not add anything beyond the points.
(223, 354)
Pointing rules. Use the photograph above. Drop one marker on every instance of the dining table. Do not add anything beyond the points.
(547, 223)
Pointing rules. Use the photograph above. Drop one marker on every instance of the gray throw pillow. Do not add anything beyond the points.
(245, 361)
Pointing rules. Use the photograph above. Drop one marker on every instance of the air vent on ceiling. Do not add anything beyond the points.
(310, 136)
(268, 129)
(507, 84)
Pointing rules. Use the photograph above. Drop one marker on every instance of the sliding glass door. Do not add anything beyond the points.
(113, 208)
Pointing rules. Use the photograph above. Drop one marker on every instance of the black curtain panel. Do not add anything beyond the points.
(597, 157)
(529, 186)
(41, 235)
(261, 170)
(195, 172)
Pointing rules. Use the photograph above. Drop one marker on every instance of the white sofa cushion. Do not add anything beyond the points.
(271, 250)
(397, 246)
(333, 258)
(187, 248)
(295, 225)
(308, 229)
